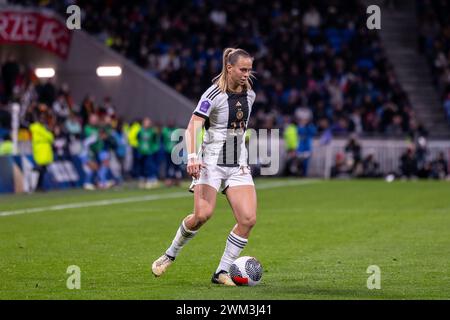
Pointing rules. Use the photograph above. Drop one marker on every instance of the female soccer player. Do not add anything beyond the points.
(224, 110)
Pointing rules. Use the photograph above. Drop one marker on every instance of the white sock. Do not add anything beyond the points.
(233, 248)
(182, 237)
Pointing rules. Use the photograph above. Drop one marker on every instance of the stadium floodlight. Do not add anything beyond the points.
(44, 72)
(110, 71)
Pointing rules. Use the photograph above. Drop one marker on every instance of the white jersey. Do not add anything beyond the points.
(227, 116)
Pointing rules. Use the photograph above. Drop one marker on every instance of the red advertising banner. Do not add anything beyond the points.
(44, 31)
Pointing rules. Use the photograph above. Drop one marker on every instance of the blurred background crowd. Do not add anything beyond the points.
(90, 129)
(320, 73)
(434, 43)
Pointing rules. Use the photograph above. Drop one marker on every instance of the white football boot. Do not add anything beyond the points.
(161, 264)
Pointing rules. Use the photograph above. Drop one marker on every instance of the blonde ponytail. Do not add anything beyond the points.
(230, 56)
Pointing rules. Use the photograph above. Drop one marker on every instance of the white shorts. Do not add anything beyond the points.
(220, 178)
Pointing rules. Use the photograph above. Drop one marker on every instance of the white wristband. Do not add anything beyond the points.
(192, 156)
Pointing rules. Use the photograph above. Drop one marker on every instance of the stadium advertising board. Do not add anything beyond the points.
(35, 28)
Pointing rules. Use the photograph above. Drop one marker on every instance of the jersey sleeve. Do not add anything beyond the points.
(206, 103)
(252, 96)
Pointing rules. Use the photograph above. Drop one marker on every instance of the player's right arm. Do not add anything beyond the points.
(199, 117)
(194, 165)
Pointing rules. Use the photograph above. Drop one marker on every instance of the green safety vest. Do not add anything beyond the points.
(168, 144)
(6, 148)
(148, 141)
(41, 140)
(291, 137)
(133, 132)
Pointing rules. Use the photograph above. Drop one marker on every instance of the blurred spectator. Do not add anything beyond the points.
(121, 143)
(306, 131)
(424, 172)
(173, 174)
(148, 147)
(60, 144)
(73, 126)
(439, 167)
(5, 122)
(353, 153)
(108, 107)
(416, 131)
(89, 162)
(311, 18)
(46, 92)
(106, 178)
(290, 136)
(340, 169)
(370, 168)
(421, 152)
(92, 129)
(42, 140)
(6, 146)
(408, 163)
(92, 147)
(133, 141)
(87, 108)
(447, 107)
(61, 108)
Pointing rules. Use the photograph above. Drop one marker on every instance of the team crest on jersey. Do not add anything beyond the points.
(204, 106)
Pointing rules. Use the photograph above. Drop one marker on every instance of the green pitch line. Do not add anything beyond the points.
(150, 196)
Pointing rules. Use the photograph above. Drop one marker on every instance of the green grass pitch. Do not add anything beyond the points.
(315, 240)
